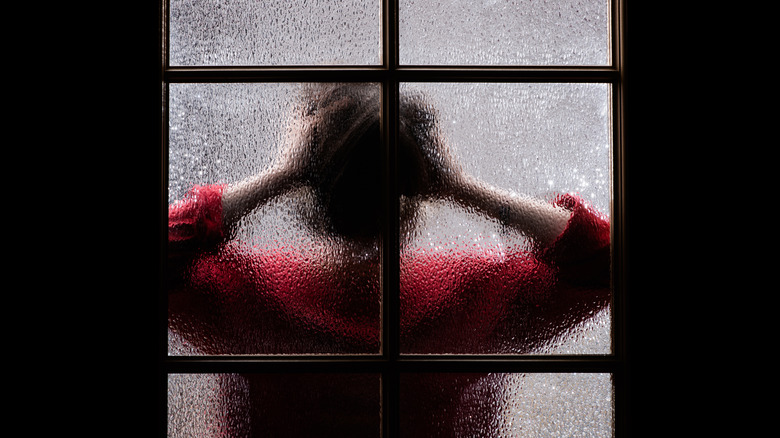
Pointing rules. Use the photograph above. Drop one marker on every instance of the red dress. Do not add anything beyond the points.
(228, 298)
(280, 301)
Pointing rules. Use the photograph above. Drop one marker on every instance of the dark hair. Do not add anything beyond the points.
(350, 187)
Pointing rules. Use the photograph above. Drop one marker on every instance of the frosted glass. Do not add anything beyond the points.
(540, 139)
(506, 405)
(225, 132)
(504, 32)
(275, 32)
(288, 284)
(461, 267)
(273, 405)
(284, 282)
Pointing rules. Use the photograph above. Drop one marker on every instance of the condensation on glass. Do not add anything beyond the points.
(507, 405)
(503, 32)
(274, 405)
(275, 32)
(282, 284)
(529, 139)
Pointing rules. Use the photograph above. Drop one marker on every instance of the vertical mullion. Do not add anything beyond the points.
(390, 260)
(391, 243)
(161, 303)
(619, 291)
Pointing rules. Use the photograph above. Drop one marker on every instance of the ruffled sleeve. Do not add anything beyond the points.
(582, 251)
(195, 222)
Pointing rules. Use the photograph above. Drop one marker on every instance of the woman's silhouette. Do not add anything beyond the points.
(226, 297)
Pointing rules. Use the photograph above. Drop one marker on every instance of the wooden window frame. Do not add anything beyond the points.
(390, 363)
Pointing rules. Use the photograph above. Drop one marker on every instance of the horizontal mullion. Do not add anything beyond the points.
(273, 364)
(507, 364)
(274, 74)
(380, 74)
(504, 73)
(378, 364)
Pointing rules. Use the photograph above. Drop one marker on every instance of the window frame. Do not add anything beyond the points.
(390, 363)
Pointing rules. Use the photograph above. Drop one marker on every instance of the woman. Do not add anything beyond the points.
(227, 298)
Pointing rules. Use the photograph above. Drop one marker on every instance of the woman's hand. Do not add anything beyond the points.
(427, 167)
(322, 140)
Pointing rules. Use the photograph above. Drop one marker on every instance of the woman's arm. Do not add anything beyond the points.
(540, 220)
(439, 174)
(443, 176)
(291, 168)
(318, 145)
(240, 198)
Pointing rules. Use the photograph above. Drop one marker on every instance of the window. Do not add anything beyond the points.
(233, 77)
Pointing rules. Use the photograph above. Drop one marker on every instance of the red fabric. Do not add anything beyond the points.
(245, 300)
(196, 221)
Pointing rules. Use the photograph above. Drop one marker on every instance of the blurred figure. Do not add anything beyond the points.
(228, 298)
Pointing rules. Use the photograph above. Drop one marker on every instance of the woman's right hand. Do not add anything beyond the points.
(427, 165)
(321, 139)
(288, 171)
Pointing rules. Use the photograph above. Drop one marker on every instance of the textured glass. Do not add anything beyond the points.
(274, 405)
(472, 284)
(504, 32)
(283, 282)
(506, 405)
(275, 32)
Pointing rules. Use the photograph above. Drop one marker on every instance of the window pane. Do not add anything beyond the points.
(298, 271)
(275, 32)
(501, 32)
(488, 265)
(501, 405)
(274, 405)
